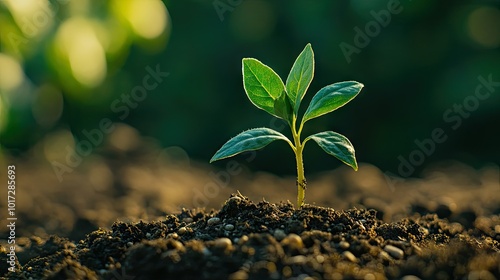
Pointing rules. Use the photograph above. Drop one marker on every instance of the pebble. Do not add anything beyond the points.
(395, 252)
(410, 277)
(279, 234)
(383, 255)
(187, 220)
(370, 276)
(344, 245)
(481, 275)
(182, 230)
(293, 240)
(320, 259)
(177, 245)
(229, 227)
(239, 275)
(297, 260)
(223, 242)
(129, 244)
(350, 256)
(148, 235)
(173, 235)
(206, 252)
(213, 221)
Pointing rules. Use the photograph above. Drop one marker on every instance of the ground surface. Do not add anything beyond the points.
(139, 212)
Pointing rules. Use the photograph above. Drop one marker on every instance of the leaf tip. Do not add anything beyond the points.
(355, 166)
(215, 158)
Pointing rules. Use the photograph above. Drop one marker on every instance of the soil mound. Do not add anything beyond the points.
(247, 240)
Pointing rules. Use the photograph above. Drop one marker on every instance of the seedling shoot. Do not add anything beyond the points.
(266, 91)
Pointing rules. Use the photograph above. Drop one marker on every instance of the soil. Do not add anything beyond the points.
(136, 211)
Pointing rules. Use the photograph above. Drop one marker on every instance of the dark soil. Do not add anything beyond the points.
(119, 215)
(247, 240)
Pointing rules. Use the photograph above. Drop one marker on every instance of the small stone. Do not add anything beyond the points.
(410, 277)
(206, 252)
(229, 227)
(223, 242)
(350, 256)
(297, 260)
(173, 235)
(177, 245)
(182, 230)
(384, 256)
(213, 221)
(293, 240)
(148, 235)
(129, 244)
(395, 252)
(320, 259)
(187, 220)
(242, 240)
(370, 276)
(344, 245)
(481, 275)
(239, 275)
(279, 234)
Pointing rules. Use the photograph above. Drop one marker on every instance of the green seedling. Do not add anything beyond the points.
(266, 91)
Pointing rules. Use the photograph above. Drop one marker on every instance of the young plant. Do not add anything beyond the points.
(266, 91)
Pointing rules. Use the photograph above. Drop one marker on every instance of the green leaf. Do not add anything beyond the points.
(283, 108)
(249, 140)
(300, 77)
(262, 85)
(331, 98)
(336, 145)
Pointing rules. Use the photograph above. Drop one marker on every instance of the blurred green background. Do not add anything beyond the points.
(66, 65)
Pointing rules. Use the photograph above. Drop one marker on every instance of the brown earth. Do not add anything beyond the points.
(136, 211)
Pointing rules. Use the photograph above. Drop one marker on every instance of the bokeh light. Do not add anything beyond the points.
(58, 145)
(34, 17)
(11, 73)
(484, 26)
(77, 40)
(148, 18)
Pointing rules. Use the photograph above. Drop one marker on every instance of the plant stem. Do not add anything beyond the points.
(301, 180)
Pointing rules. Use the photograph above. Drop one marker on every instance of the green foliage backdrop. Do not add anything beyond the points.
(69, 64)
